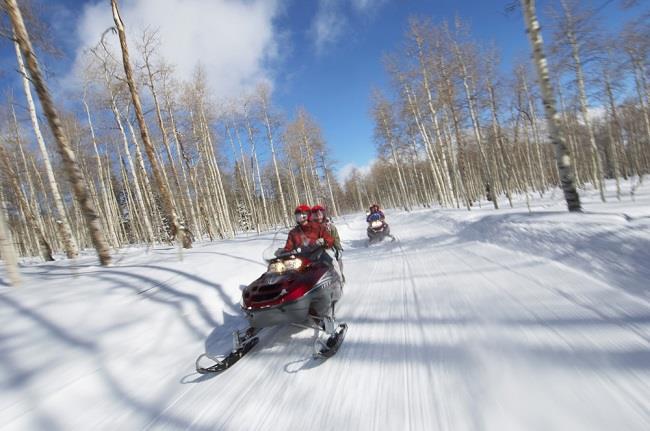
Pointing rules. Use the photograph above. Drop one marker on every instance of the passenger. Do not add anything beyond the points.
(307, 233)
(318, 215)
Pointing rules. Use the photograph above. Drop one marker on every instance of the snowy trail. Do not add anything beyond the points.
(427, 347)
(446, 331)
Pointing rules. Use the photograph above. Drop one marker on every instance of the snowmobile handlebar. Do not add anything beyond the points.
(300, 251)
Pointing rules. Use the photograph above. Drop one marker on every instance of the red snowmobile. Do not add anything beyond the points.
(300, 287)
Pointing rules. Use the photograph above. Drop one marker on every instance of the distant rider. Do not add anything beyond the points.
(375, 213)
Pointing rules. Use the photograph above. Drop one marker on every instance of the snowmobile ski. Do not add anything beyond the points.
(331, 346)
(229, 360)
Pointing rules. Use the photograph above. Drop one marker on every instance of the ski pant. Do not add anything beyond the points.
(332, 256)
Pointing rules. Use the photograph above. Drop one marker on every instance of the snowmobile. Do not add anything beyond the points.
(377, 230)
(301, 288)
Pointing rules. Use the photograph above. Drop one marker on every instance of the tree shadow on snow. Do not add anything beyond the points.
(617, 256)
(218, 344)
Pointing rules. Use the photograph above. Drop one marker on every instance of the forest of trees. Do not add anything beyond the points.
(453, 128)
(145, 158)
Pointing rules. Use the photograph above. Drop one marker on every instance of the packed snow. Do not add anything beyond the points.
(472, 320)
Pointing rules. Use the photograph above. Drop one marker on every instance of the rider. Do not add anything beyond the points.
(318, 215)
(374, 212)
(306, 232)
(377, 214)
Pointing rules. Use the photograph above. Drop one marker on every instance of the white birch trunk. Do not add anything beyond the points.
(269, 135)
(251, 139)
(178, 230)
(69, 243)
(596, 162)
(7, 250)
(69, 159)
(562, 155)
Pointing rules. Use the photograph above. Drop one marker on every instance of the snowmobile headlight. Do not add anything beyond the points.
(376, 224)
(293, 264)
(277, 267)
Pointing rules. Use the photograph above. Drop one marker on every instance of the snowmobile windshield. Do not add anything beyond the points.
(275, 249)
(276, 244)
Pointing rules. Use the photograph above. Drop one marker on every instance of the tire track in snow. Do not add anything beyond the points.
(635, 400)
(570, 298)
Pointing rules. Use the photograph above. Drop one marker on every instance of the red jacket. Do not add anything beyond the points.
(301, 236)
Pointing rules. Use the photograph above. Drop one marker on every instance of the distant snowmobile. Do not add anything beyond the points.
(378, 229)
(300, 287)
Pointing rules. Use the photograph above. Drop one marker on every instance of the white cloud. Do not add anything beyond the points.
(332, 20)
(328, 24)
(596, 112)
(365, 5)
(233, 40)
(345, 171)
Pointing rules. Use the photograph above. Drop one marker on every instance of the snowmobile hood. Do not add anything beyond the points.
(272, 289)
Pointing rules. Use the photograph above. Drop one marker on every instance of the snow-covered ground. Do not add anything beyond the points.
(481, 320)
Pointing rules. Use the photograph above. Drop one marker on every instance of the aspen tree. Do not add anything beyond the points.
(72, 170)
(569, 29)
(44, 246)
(470, 97)
(102, 184)
(385, 132)
(69, 243)
(263, 94)
(500, 154)
(184, 161)
(562, 155)
(255, 161)
(108, 68)
(149, 41)
(613, 122)
(637, 47)
(7, 250)
(178, 231)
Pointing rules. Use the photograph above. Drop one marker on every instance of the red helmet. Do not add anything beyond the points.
(302, 209)
(315, 209)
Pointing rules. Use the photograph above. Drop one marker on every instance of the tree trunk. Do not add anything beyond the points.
(489, 180)
(256, 168)
(269, 135)
(69, 243)
(7, 250)
(178, 231)
(500, 154)
(69, 159)
(534, 148)
(44, 245)
(562, 155)
(614, 143)
(182, 157)
(597, 166)
(163, 131)
(335, 210)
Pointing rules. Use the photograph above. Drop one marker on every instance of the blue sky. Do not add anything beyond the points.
(335, 84)
(329, 68)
